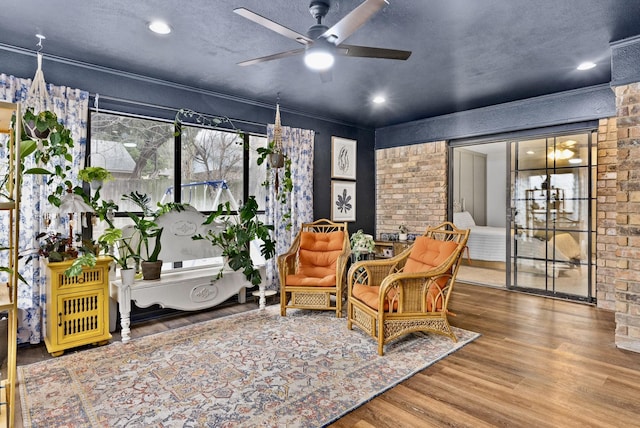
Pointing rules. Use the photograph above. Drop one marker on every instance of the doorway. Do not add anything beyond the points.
(530, 204)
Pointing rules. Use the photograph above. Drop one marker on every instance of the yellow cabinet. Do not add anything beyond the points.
(77, 307)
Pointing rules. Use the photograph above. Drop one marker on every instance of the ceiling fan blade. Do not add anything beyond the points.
(367, 52)
(354, 20)
(272, 57)
(273, 26)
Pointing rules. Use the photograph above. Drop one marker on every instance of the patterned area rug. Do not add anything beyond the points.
(251, 369)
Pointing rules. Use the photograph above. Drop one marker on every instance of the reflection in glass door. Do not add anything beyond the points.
(551, 221)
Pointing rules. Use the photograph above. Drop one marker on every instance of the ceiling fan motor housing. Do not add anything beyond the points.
(315, 31)
(319, 9)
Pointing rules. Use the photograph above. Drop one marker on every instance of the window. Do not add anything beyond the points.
(141, 155)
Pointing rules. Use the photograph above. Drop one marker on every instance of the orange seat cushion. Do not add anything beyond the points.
(369, 296)
(317, 259)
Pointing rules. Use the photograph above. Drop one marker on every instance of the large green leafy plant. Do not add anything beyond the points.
(236, 234)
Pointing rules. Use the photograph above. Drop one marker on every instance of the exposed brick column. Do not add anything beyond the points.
(627, 282)
(606, 238)
(411, 187)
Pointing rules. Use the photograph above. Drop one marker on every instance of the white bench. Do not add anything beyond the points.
(188, 288)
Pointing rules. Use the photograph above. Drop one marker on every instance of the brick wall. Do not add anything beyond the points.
(627, 281)
(411, 187)
(606, 193)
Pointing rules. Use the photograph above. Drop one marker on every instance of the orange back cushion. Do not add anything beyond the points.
(428, 253)
(319, 253)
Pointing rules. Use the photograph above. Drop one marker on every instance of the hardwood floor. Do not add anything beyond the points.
(540, 362)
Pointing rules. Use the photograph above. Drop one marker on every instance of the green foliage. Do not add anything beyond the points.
(284, 187)
(91, 173)
(362, 242)
(86, 260)
(51, 144)
(236, 236)
(146, 228)
(113, 236)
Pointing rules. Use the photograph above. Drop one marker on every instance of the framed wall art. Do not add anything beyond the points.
(343, 201)
(343, 158)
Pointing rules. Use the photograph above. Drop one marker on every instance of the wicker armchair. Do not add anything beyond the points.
(409, 292)
(314, 268)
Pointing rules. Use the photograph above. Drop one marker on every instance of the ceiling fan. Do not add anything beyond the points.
(321, 42)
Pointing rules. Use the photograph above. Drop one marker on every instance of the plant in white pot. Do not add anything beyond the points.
(95, 176)
(125, 256)
(362, 243)
(404, 230)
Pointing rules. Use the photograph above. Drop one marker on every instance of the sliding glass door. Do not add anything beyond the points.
(550, 217)
(530, 203)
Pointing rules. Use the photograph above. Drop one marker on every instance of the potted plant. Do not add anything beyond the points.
(50, 143)
(55, 247)
(276, 160)
(125, 256)
(362, 243)
(95, 176)
(404, 230)
(148, 236)
(235, 236)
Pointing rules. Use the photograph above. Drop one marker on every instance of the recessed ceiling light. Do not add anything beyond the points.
(588, 65)
(379, 99)
(159, 27)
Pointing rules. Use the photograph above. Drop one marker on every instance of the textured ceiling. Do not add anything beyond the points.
(466, 53)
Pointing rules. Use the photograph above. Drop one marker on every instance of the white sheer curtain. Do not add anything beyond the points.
(71, 107)
(297, 144)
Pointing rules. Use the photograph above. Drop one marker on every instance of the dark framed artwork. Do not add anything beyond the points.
(343, 200)
(343, 158)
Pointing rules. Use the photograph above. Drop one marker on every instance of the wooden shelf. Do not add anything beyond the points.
(8, 291)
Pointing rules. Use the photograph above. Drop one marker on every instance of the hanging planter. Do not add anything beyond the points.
(276, 160)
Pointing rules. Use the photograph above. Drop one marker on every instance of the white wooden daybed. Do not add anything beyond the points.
(188, 288)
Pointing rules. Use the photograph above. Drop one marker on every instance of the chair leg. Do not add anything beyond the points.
(283, 304)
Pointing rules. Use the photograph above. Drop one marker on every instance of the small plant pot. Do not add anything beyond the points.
(32, 131)
(402, 236)
(151, 270)
(96, 184)
(128, 276)
(276, 160)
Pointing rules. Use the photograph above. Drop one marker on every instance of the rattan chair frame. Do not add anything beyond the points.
(405, 293)
(314, 297)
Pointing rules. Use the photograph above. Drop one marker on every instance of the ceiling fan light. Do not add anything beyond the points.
(318, 59)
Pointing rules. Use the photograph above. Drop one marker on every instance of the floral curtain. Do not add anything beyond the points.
(71, 107)
(297, 145)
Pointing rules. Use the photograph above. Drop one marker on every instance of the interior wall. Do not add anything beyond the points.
(136, 94)
(497, 188)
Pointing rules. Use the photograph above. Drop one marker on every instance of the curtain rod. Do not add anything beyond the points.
(98, 97)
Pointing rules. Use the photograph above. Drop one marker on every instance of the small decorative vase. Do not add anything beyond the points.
(127, 276)
(151, 270)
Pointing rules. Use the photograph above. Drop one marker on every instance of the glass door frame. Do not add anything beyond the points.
(589, 127)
